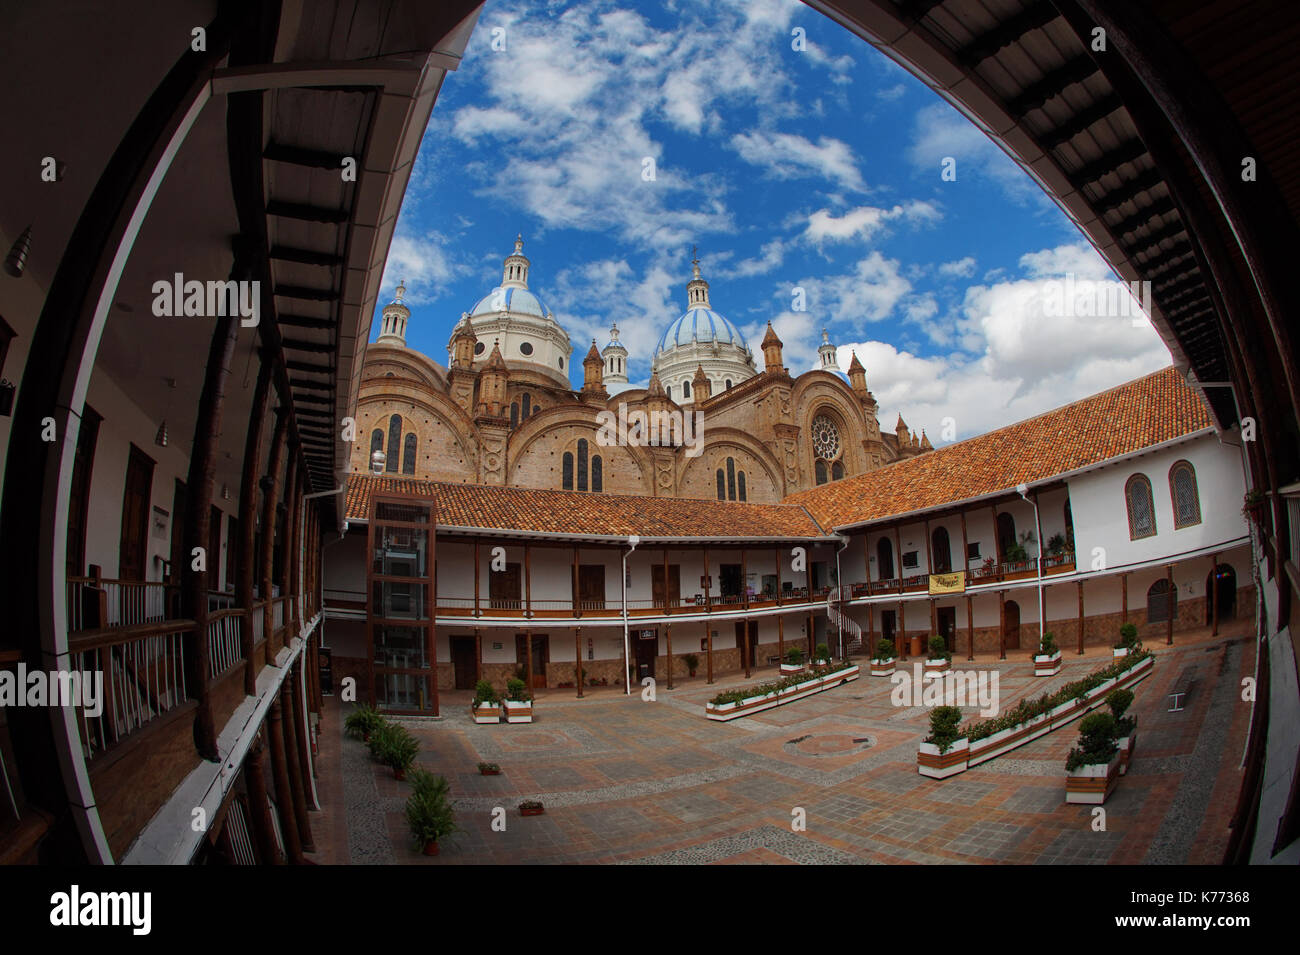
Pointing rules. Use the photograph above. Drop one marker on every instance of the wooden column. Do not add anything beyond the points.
(666, 592)
(746, 650)
(780, 637)
(1002, 624)
(528, 646)
(744, 593)
(668, 633)
(271, 494)
(812, 629)
(477, 612)
(901, 648)
(708, 587)
(1212, 594)
(1080, 583)
(287, 580)
(970, 627)
(577, 611)
(776, 562)
(198, 518)
(528, 596)
(1173, 605)
(303, 732)
(283, 794)
(248, 509)
(934, 617)
(812, 634)
(478, 654)
(259, 804)
(898, 557)
(871, 631)
(579, 679)
(708, 643)
(965, 547)
(1123, 589)
(292, 733)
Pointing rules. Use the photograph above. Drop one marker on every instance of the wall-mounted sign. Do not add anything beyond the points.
(496, 646)
(948, 583)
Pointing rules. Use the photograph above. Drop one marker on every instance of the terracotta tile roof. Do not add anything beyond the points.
(1149, 411)
(572, 512)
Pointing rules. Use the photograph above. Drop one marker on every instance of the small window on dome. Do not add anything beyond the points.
(478, 348)
(561, 362)
(525, 348)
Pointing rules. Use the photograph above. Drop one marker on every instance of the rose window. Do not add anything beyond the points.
(825, 438)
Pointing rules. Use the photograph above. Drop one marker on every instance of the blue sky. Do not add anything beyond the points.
(817, 169)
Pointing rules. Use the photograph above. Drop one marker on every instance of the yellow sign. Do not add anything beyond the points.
(948, 583)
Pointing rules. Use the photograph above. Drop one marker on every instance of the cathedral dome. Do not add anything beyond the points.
(519, 301)
(702, 325)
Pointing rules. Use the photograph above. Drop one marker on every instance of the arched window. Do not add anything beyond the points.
(728, 384)
(1186, 497)
(1006, 534)
(514, 415)
(582, 464)
(1141, 507)
(941, 550)
(740, 486)
(597, 474)
(1162, 601)
(526, 406)
(394, 443)
(686, 389)
(884, 559)
(408, 454)
(837, 471)
(731, 479)
(722, 485)
(566, 471)
(376, 441)
(669, 391)
(1069, 525)
(820, 467)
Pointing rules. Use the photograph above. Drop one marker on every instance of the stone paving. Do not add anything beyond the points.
(627, 781)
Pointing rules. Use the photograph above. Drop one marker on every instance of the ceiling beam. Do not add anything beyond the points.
(286, 253)
(1052, 85)
(304, 212)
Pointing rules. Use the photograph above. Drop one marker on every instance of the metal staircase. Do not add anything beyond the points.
(846, 625)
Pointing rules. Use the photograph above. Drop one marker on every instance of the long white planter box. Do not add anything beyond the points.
(1014, 737)
(882, 667)
(930, 762)
(1090, 785)
(1047, 665)
(519, 711)
(938, 666)
(756, 704)
(486, 713)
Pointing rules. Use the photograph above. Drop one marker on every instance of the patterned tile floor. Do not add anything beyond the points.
(627, 781)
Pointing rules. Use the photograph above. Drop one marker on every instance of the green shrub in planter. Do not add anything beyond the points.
(944, 727)
(1096, 742)
(822, 652)
(363, 721)
(794, 656)
(428, 810)
(885, 650)
(1119, 701)
(484, 692)
(517, 691)
(394, 746)
(1128, 637)
(1047, 646)
(938, 649)
(692, 662)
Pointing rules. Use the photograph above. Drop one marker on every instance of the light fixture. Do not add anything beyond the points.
(225, 492)
(160, 438)
(16, 260)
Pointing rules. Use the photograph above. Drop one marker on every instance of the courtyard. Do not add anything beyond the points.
(629, 781)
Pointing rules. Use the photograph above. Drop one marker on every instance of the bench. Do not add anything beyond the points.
(1182, 687)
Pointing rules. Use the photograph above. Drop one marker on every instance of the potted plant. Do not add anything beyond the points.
(1128, 639)
(1047, 661)
(988, 567)
(944, 752)
(822, 655)
(363, 721)
(882, 662)
(1056, 545)
(489, 769)
(793, 662)
(1252, 506)
(939, 659)
(692, 662)
(428, 811)
(486, 707)
(531, 807)
(519, 702)
(394, 746)
(1093, 766)
(1125, 726)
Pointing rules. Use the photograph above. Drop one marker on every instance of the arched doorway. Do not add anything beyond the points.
(1221, 592)
(884, 559)
(1162, 601)
(942, 551)
(1011, 625)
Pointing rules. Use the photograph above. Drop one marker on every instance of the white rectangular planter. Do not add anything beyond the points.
(1047, 665)
(1126, 744)
(519, 711)
(1090, 785)
(1117, 652)
(756, 704)
(790, 669)
(930, 762)
(938, 666)
(882, 667)
(486, 713)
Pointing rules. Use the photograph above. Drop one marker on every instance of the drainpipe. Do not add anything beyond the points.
(839, 585)
(1022, 490)
(627, 658)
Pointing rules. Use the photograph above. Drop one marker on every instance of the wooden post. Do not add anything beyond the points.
(478, 654)
(776, 562)
(1173, 605)
(667, 596)
(528, 645)
(708, 642)
(965, 547)
(1080, 617)
(901, 649)
(283, 792)
(299, 756)
(708, 587)
(780, 638)
(1123, 586)
(577, 610)
(934, 617)
(259, 804)
(668, 632)
(528, 595)
(744, 592)
(970, 627)
(1002, 624)
(271, 495)
(1212, 594)
(287, 586)
(477, 611)
(871, 631)
(812, 631)
(746, 650)
(898, 556)
(248, 508)
(577, 656)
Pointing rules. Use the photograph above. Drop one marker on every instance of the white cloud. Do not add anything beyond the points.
(864, 222)
(940, 132)
(424, 263)
(800, 335)
(790, 156)
(891, 93)
(960, 268)
(770, 257)
(868, 293)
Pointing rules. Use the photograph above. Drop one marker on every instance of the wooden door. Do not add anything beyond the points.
(946, 618)
(591, 587)
(672, 596)
(1012, 629)
(747, 641)
(888, 624)
(729, 582)
(541, 655)
(134, 546)
(462, 662)
(646, 648)
(505, 588)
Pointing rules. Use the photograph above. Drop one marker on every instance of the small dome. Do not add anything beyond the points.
(702, 325)
(520, 301)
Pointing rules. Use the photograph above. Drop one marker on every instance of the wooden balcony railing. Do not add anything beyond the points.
(95, 603)
(257, 614)
(225, 648)
(143, 669)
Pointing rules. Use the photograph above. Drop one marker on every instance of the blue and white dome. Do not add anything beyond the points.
(702, 325)
(519, 301)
